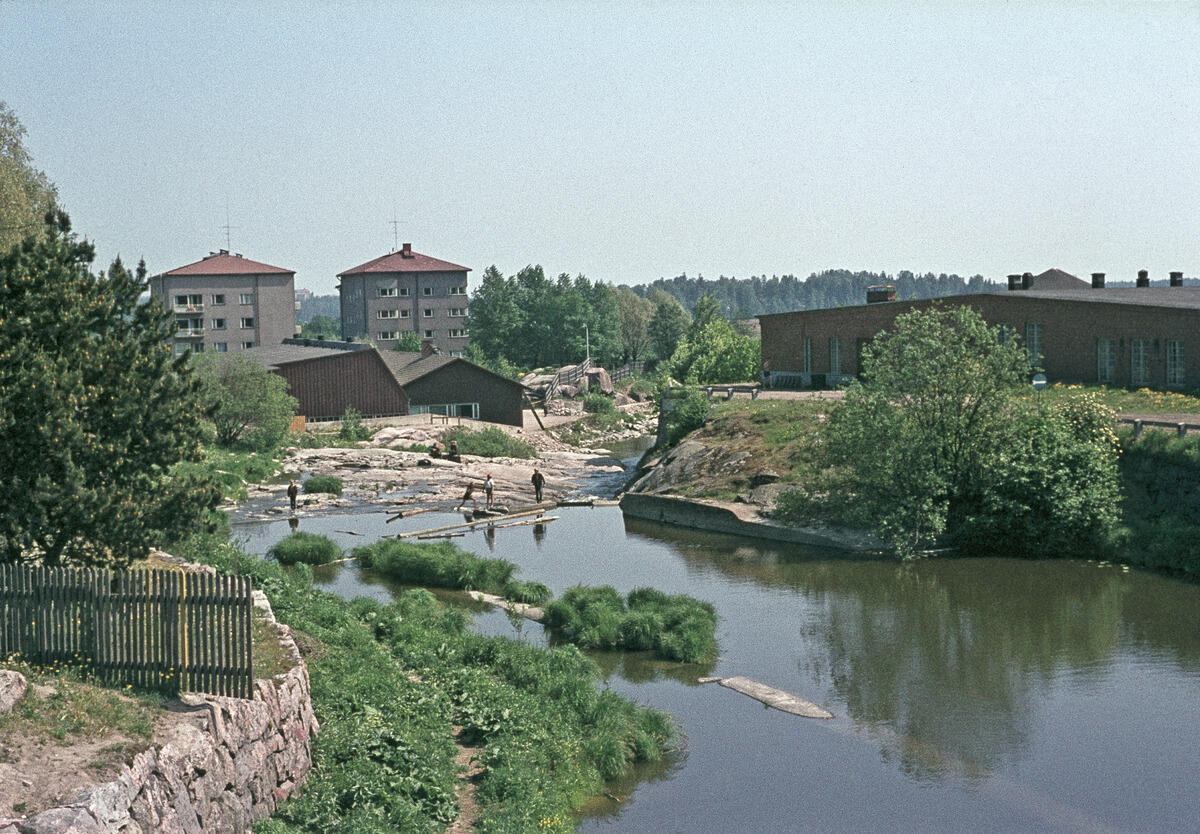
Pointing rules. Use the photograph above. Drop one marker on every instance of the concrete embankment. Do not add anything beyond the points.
(741, 520)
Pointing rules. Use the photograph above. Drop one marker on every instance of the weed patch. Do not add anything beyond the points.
(490, 442)
(330, 484)
(440, 565)
(309, 548)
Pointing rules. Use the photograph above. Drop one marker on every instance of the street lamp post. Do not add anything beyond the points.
(587, 343)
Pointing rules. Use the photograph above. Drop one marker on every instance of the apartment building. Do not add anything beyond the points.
(406, 292)
(1076, 331)
(227, 304)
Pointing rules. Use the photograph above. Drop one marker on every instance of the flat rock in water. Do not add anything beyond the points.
(771, 696)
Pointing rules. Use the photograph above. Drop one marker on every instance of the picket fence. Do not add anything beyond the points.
(167, 630)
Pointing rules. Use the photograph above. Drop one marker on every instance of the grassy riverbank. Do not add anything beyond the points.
(392, 682)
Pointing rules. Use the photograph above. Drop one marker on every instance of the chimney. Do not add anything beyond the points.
(1014, 282)
(406, 251)
(428, 348)
(1027, 281)
(1143, 278)
(882, 292)
(1097, 280)
(224, 251)
(1176, 279)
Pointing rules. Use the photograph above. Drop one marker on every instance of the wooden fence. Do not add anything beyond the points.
(169, 630)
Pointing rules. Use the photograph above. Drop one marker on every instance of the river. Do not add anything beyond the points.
(968, 694)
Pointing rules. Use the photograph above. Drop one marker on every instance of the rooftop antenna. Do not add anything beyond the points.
(227, 227)
(395, 223)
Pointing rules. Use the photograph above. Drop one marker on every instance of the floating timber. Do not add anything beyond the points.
(529, 612)
(413, 511)
(471, 524)
(771, 696)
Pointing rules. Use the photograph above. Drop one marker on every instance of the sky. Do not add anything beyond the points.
(626, 141)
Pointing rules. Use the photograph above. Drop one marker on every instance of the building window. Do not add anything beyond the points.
(456, 312)
(198, 347)
(189, 303)
(387, 335)
(426, 290)
(458, 290)
(468, 410)
(1106, 359)
(458, 334)
(456, 353)
(835, 357)
(247, 321)
(387, 314)
(387, 292)
(406, 314)
(1175, 366)
(217, 324)
(430, 334)
(808, 365)
(1033, 341)
(246, 298)
(247, 345)
(221, 347)
(181, 348)
(218, 298)
(1139, 361)
(189, 327)
(427, 313)
(404, 292)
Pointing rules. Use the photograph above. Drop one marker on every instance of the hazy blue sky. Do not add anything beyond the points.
(626, 141)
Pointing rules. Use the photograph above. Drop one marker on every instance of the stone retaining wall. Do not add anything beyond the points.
(230, 764)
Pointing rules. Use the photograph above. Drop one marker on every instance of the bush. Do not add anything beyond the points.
(673, 627)
(352, 426)
(440, 565)
(687, 413)
(530, 593)
(330, 484)
(308, 548)
(491, 442)
(598, 403)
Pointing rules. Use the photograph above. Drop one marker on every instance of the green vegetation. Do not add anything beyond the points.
(330, 484)
(353, 429)
(940, 444)
(578, 432)
(309, 548)
(712, 351)
(249, 406)
(673, 627)
(26, 194)
(1159, 474)
(491, 442)
(94, 410)
(231, 470)
(325, 328)
(389, 681)
(687, 413)
(409, 342)
(598, 403)
(1140, 401)
(435, 565)
(530, 593)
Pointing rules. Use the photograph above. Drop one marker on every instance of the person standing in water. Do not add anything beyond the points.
(292, 492)
(489, 489)
(539, 482)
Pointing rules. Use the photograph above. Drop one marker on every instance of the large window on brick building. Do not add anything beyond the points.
(1033, 340)
(1139, 361)
(835, 357)
(1106, 359)
(1175, 366)
(808, 356)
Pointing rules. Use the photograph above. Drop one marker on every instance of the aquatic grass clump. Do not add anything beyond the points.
(309, 548)
(440, 565)
(530, 593)
(324, 483)
(673, 627)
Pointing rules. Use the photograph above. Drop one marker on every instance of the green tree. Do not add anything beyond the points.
(495, 315)
(321, 327)
(713, 351)
(26, 195)
(94, 411)
(248, 405)
(941, 443)
(409, 342)
(668, 323)
(634, 313)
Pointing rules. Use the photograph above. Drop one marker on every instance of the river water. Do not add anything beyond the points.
(968, 694)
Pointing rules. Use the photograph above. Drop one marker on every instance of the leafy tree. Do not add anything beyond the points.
(634, 313)
(321, 327)
(939, 443)
(668, 324)
(495, 315)
(409, 342)
(25, 192)
(248, 405)
(713, 351)
(94, 411)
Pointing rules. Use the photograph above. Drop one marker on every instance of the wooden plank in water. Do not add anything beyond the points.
(529, 612)
(469, 524)
(771, 696)
(407, 513)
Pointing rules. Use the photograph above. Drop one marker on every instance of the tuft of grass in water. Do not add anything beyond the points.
(330, 484)
(677, 627)
(435, 565)
(530, 593)
(310, 548)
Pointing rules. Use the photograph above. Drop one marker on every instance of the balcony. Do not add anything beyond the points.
(184, 309)
(189, 333)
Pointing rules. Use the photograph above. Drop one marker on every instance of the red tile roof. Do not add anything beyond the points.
(405, 260)
(222, 263)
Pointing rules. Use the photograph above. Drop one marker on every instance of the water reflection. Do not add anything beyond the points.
(644, 667)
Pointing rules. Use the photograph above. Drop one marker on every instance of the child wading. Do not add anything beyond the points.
(469, 495)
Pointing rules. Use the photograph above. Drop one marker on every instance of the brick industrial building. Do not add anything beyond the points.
(227, 303)
(1141, 336)
(406, 292)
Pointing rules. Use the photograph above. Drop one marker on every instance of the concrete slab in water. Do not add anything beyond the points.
(771, 696)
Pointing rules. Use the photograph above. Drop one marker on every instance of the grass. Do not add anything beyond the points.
(490, 442)
(309, 548)
(232, 470)
(1159, 476)
(440, 565)
(1140, 401)
(330, 484)
(677, 628)
(390, 681)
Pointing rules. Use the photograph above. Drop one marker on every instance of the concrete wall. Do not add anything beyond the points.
(230, 764)
(438, 293)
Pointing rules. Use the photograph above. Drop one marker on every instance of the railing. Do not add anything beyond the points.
(568, 376)
(158, 629)
(189, 332)
(728, 391)
(1181, 429)
(189, 308)
(627, 370)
